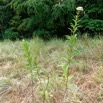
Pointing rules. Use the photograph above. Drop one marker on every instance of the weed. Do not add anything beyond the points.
(36, 71)
(71, 52)
(31, 65)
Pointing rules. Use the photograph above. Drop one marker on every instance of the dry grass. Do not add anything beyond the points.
(85, 87)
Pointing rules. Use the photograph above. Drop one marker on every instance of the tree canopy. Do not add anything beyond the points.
(47, 18)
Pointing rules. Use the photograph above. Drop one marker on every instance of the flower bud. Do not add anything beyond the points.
(79, 8)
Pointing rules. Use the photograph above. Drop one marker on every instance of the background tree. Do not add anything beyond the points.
(92, 20)
(47, 18)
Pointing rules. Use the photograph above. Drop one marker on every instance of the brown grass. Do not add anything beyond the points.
(87, 83)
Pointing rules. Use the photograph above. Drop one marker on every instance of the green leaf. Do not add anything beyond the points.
(66, 67)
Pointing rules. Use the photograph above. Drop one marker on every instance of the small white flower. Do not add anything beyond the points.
(79, 8)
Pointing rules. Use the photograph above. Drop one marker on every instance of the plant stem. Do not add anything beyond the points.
(45, 90)
(32, 84)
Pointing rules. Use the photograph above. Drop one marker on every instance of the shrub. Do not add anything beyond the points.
(10, 34)
(41, 33)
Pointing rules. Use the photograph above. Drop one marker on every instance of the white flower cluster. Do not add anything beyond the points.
(79, 8)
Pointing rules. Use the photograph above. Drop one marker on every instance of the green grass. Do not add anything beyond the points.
(86, 86)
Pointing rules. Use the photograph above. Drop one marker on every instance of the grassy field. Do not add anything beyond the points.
(85, 84)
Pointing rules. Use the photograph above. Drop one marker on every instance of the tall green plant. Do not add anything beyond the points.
(32, 65)
(71, 52)
(36, 72)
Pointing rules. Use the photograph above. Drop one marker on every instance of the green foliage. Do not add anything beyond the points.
(35, 71)
(31, 65)
(41, 33)
(10, 34)
(30, 17)
(48, 17)
(71, 40)
(32, 62)
(5, 16)
(92, 25)
(95, 25)
(71, 52)
(92, 20)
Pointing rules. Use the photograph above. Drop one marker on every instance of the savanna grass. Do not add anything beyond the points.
(50, 56)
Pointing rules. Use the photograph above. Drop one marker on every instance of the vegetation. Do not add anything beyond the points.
(47, 18)
(84, 81)
(52, 70)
